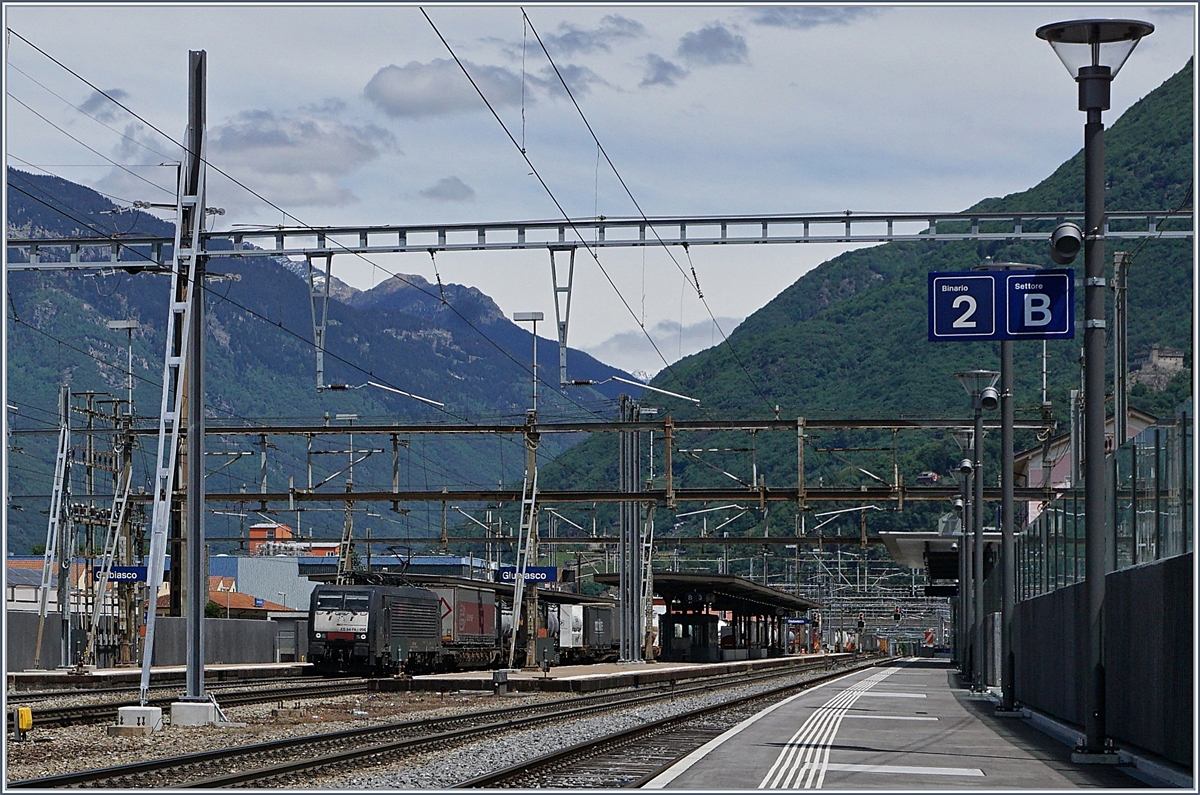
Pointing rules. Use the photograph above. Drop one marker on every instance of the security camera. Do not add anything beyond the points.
(989, 398)
(965, 466)
(1065, 242)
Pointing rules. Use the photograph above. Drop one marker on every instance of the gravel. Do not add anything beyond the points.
(52, 750)
(443, 768)
(55, 750)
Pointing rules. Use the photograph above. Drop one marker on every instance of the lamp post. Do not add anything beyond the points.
(963, 476)
(981, 386)
(1094, 50)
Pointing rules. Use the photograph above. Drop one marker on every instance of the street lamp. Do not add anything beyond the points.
(1094, 50)
(981, 386)
(966, 442)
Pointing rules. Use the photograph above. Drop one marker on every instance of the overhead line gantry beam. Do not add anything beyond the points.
(658, 496)
(595, 233)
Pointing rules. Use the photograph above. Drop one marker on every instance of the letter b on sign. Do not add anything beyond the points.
(1037, 310)
(1040, 304)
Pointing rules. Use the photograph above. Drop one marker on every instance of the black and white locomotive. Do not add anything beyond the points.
(383, 630)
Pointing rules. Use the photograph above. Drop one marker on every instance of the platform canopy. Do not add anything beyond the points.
(723, 592)
(936, 553)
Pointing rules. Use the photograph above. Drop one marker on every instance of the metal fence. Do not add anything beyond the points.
(1150, 482)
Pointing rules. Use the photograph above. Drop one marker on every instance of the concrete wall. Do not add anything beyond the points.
(225, 641)
(22, 636)
(1147, 654)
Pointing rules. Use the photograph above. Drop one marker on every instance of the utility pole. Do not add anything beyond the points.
(193, 216)
(629, 562)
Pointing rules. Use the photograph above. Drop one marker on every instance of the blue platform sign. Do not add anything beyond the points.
(532, 574)
(962, 306)
(1040, 304)
(121, 573)
(1002, 305)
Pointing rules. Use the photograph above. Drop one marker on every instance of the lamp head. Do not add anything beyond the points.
(975, 381)
(1065, 242)
(965, 466)
(989, 398)
(1094, 43)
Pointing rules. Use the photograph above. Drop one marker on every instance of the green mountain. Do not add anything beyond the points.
(848, 339)
(455, 347)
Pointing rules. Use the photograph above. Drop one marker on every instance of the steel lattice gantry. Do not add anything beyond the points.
(588, 233)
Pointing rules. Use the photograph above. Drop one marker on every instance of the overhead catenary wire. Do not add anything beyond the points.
(85, 146)
(566, 216)
(629, 193)
(50, 91)
(289, 215)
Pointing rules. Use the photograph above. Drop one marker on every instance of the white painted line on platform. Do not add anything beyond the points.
(874, 694)
(675, 771)
(889, 717)
(909, 769)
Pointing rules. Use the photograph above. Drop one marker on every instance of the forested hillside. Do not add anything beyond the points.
(848, 339)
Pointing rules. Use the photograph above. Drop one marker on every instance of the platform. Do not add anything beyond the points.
(600, 676)
(900, 726)
(159, 675)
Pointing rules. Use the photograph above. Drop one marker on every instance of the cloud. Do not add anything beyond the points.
(579, 78)
(571, 39)
(632, 352)
(102, 107)
(296, 159)
(450, 189)
(805, 17)
(440, 88)
(712, 45)
(661, 72)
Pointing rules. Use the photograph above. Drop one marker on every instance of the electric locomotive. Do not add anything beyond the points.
(371, 629)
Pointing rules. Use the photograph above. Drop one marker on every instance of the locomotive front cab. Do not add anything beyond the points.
(340, 628)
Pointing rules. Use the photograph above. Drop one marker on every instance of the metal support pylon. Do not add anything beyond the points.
(319, 298)
(562, 308)
(112, 535)
(54, 549)
(185, 267)
(647, 595)
(630, 550)
(346, 548)
(526, 548)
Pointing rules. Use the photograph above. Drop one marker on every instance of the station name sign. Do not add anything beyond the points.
(532, 574)
(1002, 305)
(121, 573)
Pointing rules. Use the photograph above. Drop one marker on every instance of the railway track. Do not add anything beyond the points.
(630, 758)
(295, 760)
(107, 711)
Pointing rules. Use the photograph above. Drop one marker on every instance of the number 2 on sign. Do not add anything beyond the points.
(964, 320)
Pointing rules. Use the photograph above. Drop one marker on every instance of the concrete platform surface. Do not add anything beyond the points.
(900, 726)
(108, 677)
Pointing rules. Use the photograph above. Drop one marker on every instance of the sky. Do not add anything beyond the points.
(360, 115)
